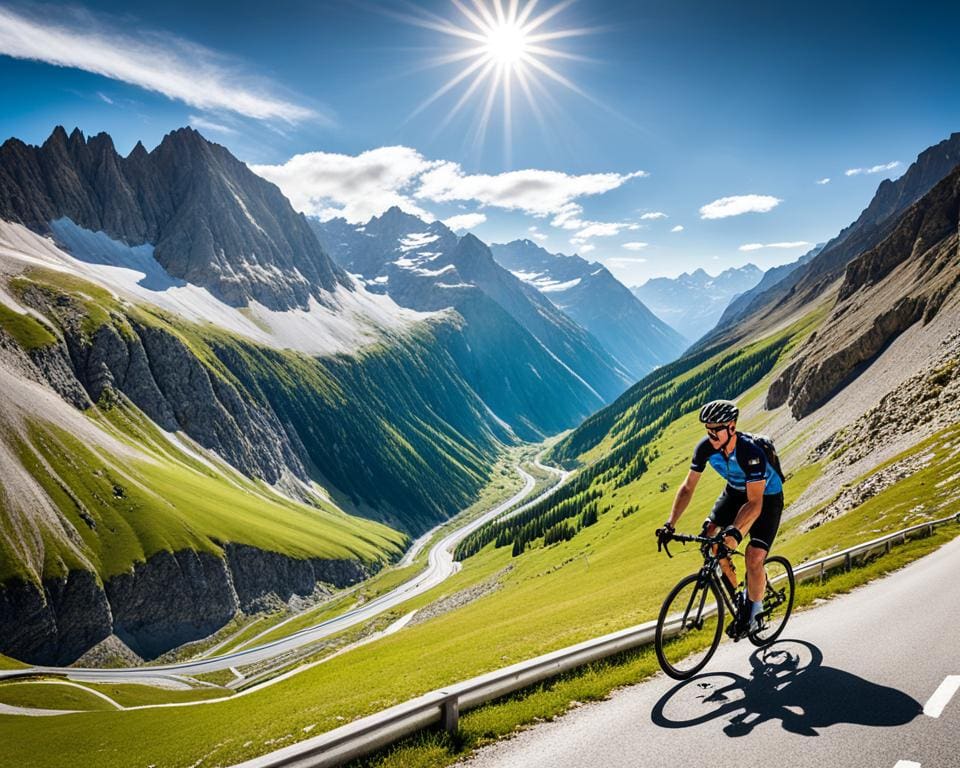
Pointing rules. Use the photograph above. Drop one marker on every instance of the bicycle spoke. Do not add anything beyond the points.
(685, 642)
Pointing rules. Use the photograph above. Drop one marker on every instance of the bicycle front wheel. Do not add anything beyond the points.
(777, 601)
(689, 627)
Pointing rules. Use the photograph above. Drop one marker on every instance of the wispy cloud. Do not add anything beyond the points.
(203, 124)
(103, 97)
(678, 228)
(871, 169)
(823, 181)
(159, 62)
(465, 221)
(760, 246)
(737, 205)
(627, 260)
(636, 246)
(357, 187)
(653, 215)
(587, 247)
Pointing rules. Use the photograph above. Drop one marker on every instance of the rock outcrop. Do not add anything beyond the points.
(171, 599)
(905, 279)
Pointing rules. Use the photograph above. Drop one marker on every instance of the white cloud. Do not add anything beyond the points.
(203, 124)
(678, 228)
(540, 193)
(635, 246)
(158, 62)
(823, 181)
(739, 204)
(627, 260)
(653, 215)
(465, 221)
(357, 187)
(587, 247)
(872, 169)
(784, 245)
(541, 236)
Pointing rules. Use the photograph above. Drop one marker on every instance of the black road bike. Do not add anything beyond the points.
(690, 625)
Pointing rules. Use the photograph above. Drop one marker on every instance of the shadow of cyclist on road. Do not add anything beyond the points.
(788, 683)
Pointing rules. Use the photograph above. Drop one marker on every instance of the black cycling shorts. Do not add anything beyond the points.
(764, 528)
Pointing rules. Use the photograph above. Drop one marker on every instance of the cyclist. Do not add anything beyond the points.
(751, 502)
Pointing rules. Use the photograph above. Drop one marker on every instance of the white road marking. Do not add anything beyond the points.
(941, 697)
(906, 764)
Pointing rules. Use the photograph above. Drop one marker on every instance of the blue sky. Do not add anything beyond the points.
(673, 106)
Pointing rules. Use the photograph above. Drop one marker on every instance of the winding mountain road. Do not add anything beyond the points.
(867, 680)
(440, 567)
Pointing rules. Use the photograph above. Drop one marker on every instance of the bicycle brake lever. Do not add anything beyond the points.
(666, 549)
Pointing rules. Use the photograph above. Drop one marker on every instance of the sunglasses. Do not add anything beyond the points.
(715, 430)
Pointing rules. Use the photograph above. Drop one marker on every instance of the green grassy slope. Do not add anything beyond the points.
(393, 430)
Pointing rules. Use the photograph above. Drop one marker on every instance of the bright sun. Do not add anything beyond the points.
(506, 44)
(507, 47)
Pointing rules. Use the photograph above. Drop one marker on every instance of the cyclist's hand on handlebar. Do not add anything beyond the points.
(730, 537)
(664, 534)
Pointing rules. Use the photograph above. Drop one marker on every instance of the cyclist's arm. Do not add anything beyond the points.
(684, 494)
(750, 511)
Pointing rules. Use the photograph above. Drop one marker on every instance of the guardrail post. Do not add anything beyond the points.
(451, 714)
(821, 572)
(848, 562)
(886, 547)
(930, 529)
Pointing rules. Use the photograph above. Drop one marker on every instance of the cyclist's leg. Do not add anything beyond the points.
(762, 533)
(724, 512)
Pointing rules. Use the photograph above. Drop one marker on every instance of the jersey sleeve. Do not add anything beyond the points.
(700, 455)
(752, 460)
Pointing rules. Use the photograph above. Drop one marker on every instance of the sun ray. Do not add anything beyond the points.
(490, 23)
(525, 13)
(507, 119)
(547, 15)
(555, 54)
(451, 83)
(554, 75)
(512, 12)
(481, 132)
(482, 75)
(498, 6)
(561, 34)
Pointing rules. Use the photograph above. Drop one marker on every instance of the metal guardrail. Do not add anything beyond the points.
(444, 706)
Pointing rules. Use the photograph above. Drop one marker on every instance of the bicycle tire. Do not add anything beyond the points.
(671, 606)
(763, 638)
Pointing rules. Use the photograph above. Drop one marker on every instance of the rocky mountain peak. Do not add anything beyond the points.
(211, 220)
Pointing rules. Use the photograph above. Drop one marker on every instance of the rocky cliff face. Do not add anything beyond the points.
(213, 222)
(162, 377)
(875, 224)
(908, 278)
(171, 599)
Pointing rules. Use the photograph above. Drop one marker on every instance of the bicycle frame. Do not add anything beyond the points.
(709, 571)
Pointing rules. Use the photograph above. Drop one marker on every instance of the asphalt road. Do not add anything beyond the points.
(440, 567)
(847, 685)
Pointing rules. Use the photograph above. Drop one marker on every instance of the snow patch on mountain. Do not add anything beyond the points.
(348, 319)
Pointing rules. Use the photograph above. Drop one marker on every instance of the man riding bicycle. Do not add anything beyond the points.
(751, 502)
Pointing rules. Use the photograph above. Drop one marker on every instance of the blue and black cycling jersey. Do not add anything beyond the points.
(747, 463)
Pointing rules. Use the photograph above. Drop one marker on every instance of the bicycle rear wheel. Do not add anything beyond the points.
(777, 601)
(689, 627)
